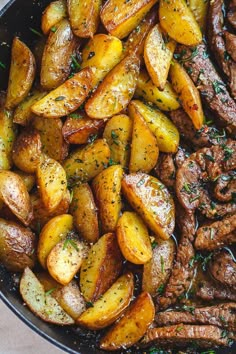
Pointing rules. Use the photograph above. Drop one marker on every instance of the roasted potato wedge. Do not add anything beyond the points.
(106, 187)
(115, 91)
(120, 18)
(132, 326)
(199, 9)
(66, 98)
(28, 179)
(111, 304)
(53, 13)
(133, 238)
(100, 268)
(40, 303)
(152, 201)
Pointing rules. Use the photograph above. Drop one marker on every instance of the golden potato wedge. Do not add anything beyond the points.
(115, 91)
(22, 72)
(166, 100)
(132, 326)
(27, 151)
(57, 56)
(121, 17)
(100, 268)
(199, 9)
(118, 134)
(84, 16)
(109, 307)
(106, 187)
(84, 212)
(152, 201)
(40, 303)
(158, 53)
(66, 98)
(133, 238)
(86, 162)
(14, 194)
(53, 13)
(157, 270)
(144, 150)
(165, 131)
(53, 232)
(178, 21)
(28, 179)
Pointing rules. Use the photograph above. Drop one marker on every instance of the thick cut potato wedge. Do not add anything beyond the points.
(158, 53)
(166, 100)
(22, 72)
(84, 16)
(115, 91)
(53, 232)
(199, 9)
(152, 201)
(87, 162)
(118, 134)
(165, 131)
(66, 98)
(132, 326)
(110, 306)
(53, 13)
(85, 213)
(14, 194)
(40, 303)
(133, 238)
(121, 17)
(178, 21)
(100, 268)
(28, 179)
(106, 186)
(188, 93)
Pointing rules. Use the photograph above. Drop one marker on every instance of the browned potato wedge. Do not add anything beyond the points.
(28, 179)
(84, 212)
(53, 13)
(14, 194)
(86, 162)
(57, 56)
(67, 97)
(178, 21)
(106, 186)
(199, 9)
(133, 238)
(157, 271)
(84, 16)
(100, 268)
(132, 326)
(26, 152)
(118, 134)
(17, 246)
(121, 17)
(115, 91)
(158, 53)
(110, 306)
(53, 232)
(22, 72)
(152, 201)
(40, 303)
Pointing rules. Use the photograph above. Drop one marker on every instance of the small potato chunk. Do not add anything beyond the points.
(133, 238)
(53, 13)
(152, 201)
(121, 17)
(84, 212)
(109, 307)
(188, 93)
(178, 21)
(199, 9)
(106, 186)
(100, 268)
(28, 179)
(84, 16)
(53, 232)
(22, 72)
(40, 303)
(17, 246)
(115, 91)
(132, 326)
(66, 98)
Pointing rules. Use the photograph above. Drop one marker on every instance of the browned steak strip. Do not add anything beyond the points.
(222, 267)
(225, 188)
(165, 169)
(230, 43)
(231, 15)
(209, 291)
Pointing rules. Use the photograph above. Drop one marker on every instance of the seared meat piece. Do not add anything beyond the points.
(231, 15)
(222, 267)
(225, 189)
(230, 43)
(181, 155)
(210, 291)
(165, 169)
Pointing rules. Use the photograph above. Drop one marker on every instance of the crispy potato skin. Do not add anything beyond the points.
(53, 13)
(199, 9)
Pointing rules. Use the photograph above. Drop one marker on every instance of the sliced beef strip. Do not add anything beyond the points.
(211, 291)
(230, 44)
(222, 268)
(225, 188)
(231, 15)
(181, 155)
(165, 169)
